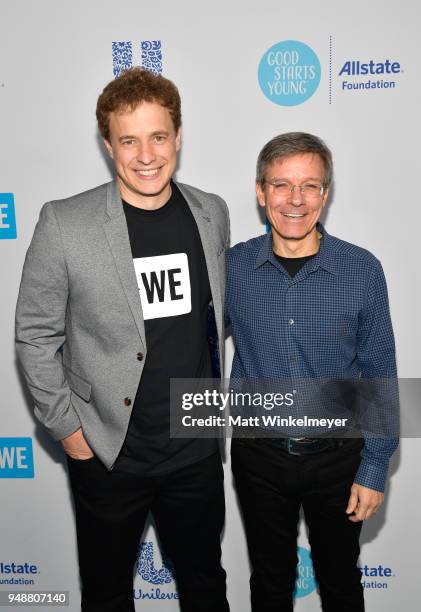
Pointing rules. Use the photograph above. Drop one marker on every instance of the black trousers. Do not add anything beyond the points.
(272, 486)
(111, 510)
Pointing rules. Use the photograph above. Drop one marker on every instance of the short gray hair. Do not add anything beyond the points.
(294, 143)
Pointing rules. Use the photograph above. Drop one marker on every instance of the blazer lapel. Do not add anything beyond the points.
(115, 228)
(205, 227)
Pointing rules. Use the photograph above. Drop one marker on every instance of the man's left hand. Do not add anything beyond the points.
(363, 503)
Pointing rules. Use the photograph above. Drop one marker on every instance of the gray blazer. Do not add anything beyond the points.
(79, 323)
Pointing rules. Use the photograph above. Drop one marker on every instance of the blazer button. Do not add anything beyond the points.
(140, 356)
(127, 401)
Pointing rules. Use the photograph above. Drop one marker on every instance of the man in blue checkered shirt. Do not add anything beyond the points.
(303, 304)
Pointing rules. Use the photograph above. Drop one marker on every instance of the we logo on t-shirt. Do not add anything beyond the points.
(164, 285)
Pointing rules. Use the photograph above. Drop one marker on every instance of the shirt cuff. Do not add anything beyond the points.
(371, 476)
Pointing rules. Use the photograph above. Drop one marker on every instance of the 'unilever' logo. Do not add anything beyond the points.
(161, 577)
(150, 55)
(289, 73)
(305, 582)
(146, 566)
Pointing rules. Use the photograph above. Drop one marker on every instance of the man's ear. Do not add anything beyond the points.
(109, 148)
(178, 139)
(260, 194)
(325, 196)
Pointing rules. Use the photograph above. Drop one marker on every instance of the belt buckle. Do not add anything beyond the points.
(289, 447)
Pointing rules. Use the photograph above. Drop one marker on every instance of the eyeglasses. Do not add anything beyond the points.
(310, 190)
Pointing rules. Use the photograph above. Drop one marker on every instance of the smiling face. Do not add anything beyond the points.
(143, 145)
(293, 216)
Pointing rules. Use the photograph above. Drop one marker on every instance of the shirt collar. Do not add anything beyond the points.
(326, 258)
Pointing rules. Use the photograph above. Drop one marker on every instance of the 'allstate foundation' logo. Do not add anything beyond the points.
(146, 566)
(371, 74)
(305, 582)
(289, 73)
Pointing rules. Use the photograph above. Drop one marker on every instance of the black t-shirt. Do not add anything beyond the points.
(175, 294)
(293, 264)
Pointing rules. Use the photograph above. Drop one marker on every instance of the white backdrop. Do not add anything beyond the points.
(55, 58)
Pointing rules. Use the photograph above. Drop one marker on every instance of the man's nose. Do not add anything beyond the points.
(145, 153)
(296, 196)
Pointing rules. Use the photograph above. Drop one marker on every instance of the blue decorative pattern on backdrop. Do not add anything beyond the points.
(146, 566)
(152, 55)
(122, 56)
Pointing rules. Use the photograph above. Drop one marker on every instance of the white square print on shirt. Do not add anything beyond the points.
(164, 285)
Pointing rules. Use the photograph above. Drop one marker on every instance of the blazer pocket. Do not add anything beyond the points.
(77, 384)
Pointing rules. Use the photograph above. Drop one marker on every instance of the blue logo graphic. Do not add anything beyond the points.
(150, 54)
(369, 75)
(18, 568)
(146, 566)
(371, 576)
(305, 582)
(122, 57)
(16, 458)
(289, 73)
(7, 216)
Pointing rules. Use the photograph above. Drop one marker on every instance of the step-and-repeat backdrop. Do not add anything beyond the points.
(246, 72)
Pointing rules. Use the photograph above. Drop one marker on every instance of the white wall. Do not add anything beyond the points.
(55, 57)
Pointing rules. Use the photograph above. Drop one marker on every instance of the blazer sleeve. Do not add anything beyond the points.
(227, 224)
(40, 326)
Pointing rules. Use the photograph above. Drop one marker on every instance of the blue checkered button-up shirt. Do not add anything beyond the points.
(330, 321)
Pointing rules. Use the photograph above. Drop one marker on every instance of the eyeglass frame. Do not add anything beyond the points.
(300, 187)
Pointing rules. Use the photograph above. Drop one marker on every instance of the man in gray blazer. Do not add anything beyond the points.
(120, 287)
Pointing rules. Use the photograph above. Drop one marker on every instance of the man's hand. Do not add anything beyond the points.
(76, 446)
(363, 503)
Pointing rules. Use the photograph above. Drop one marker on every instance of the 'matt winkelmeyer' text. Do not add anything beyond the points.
(213, 421)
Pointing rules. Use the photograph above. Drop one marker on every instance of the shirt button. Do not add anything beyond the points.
(291, 321)
(140, 356)
(127, 401)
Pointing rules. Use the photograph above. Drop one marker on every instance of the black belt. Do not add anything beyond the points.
(305, 446)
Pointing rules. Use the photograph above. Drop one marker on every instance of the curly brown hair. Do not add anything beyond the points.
(130, 89)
